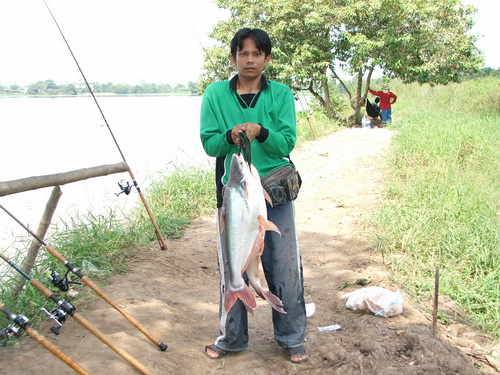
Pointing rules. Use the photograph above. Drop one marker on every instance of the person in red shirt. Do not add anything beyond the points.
(386, 99)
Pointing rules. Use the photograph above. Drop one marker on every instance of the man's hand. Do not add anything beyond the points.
(251, 128)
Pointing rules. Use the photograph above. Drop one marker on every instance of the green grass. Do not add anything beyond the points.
(443, 201)
(313, 127)
(177, 198)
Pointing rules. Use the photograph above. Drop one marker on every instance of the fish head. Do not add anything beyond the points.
(243, 175)
(241, 169)
(238, 168)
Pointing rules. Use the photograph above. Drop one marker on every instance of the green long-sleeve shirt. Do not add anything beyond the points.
(273, 108)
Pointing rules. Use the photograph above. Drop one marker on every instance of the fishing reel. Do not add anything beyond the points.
(124, 187)
(58, 316)
(16, 329)
(62, 283)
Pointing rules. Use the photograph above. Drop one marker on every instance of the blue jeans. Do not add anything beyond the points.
(282, 267)
(386, 115)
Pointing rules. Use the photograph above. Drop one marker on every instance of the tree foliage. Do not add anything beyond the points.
(315, 41)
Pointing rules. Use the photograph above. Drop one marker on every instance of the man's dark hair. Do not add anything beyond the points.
(260, 37)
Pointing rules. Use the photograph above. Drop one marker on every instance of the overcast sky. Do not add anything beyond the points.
(129, 41)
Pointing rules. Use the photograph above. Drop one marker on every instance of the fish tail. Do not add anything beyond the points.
(245, 295)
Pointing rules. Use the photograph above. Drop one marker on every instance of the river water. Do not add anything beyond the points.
(41, 136)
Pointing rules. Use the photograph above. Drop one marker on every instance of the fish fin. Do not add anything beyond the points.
(245, 191)
(267, 197)
(257, 248)
(255, 253)
(253, 277)
(274, 301)
(258, 244)
(248, 308)
(245, 295)
(268, 225)
(222, 219)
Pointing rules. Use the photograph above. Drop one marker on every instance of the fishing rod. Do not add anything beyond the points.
(68, 309)
(161, 240)
(22, 324)
(208, 56)
(63, 283)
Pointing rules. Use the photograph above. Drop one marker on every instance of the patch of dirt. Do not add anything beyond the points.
(174, 294)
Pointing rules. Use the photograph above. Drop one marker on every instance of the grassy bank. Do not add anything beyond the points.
(442, 203)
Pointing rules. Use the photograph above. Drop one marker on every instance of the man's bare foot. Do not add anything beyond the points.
(297, 354)
(214, 352)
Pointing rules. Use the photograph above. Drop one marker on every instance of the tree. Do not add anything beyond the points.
(137, 89)
(193, 87)
(69, 89)
(315, 41)
(38, 88)
(120, 89)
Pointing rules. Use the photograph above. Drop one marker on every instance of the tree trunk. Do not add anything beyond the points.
(328, 100)
(358, 112)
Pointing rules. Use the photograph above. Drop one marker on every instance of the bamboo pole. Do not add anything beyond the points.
(37, 182)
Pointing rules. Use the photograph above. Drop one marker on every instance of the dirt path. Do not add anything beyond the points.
(174, 294)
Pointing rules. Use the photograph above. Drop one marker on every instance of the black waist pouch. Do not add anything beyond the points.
(282, 185)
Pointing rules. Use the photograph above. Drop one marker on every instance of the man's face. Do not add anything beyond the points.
(249, 60)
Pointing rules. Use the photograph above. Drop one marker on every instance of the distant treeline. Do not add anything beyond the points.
(49, 87)
(484, 72)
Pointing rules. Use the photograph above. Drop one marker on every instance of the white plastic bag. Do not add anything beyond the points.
(310, 309)
(380, 301)
(88, 268)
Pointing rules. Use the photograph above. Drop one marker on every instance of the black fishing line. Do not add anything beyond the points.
(161, 240)
(86, 83)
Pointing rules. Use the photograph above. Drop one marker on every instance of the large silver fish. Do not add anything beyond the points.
(243, 223)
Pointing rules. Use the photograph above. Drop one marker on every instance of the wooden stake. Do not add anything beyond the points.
(34, 248)
(436, 303)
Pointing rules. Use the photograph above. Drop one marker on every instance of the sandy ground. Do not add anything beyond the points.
(173, 294)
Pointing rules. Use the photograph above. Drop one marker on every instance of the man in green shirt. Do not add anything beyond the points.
(265, 111)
